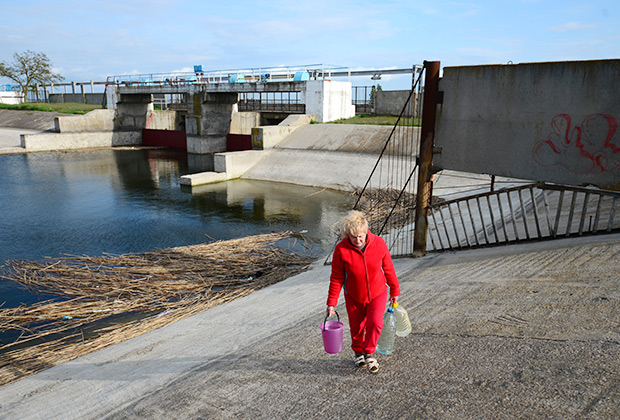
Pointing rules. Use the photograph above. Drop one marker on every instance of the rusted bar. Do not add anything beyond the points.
(524, 215)
(482, 195)
(501, 214)
(559, 213)
(571, 213)
(598, 212)
(492, 220)
(463, 223)
(430, 235)
(580, 189)
(584, 210)
(535, 213)
(484, 228)
(427, 132)
(547, 212)
(445, 228)
(437, 228)
(612, 213)
(456, 232)
(473, 224)
(512, 216)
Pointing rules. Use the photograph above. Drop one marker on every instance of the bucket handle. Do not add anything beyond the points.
(327, 316)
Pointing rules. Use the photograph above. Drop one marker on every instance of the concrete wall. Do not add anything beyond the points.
(328, 100)
(80, 98)
(67, 141)
(133, 111)
(391, 102)
(97, 120)
(11, 97)
(164, 120)
(554, 122)
(268, 137)
(243, 122)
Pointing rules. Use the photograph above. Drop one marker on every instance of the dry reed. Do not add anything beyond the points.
(109, 299)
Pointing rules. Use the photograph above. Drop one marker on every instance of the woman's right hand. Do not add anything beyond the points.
(331, 310)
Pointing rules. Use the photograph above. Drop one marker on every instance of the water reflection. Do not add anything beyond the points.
(120, 201)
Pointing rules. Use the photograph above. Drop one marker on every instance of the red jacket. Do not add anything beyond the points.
(362, 274)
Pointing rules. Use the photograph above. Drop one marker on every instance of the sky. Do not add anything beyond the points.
(91, 40)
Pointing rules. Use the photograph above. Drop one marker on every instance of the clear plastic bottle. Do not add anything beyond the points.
(403, 325)
(385, 345)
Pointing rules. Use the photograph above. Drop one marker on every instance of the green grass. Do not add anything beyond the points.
(377, 120)
(66, 108)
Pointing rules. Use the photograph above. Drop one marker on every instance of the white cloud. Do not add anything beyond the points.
(571, 26)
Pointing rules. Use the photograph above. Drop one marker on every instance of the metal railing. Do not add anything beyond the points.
(525, 213)
(283, 101)
(199, 76)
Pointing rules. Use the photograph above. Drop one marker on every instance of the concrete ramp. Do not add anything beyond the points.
(31, 120)
(350, 138)
(337, 156)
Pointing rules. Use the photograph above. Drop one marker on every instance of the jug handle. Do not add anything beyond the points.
(327, 316)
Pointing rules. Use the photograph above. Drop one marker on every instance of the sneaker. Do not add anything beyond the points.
(373, 365)
(360, 360)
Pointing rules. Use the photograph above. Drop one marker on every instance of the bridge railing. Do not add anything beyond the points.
(200, 76)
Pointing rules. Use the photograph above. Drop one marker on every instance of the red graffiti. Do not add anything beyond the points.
(589, 147)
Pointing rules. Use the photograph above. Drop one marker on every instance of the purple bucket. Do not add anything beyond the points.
(332, 335)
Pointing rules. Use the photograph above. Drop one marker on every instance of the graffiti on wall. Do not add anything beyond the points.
(589, 147)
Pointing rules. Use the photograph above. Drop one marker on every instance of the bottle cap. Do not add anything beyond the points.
(395, 305)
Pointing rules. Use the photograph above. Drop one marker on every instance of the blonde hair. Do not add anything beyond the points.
(353, 223)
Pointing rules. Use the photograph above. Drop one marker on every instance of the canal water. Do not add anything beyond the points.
(122, 201)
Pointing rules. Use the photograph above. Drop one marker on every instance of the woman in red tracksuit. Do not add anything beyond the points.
(362, 265)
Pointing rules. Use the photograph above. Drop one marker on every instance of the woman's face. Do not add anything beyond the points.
(358, 239)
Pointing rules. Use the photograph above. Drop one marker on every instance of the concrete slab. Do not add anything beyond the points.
(522, 331)
(10, 140)
(29, 120)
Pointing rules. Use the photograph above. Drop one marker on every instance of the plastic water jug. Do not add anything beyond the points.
(385, 345)
(403, 325)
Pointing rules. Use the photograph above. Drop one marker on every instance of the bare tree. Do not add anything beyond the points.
(29, 68)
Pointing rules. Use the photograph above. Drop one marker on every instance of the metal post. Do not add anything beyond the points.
(423, 199)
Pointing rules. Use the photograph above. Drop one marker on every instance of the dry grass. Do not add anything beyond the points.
(377, 204)
(109, 299)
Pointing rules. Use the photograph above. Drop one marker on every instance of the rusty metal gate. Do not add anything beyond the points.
(525, 213)
(388, 196)
(531, 212)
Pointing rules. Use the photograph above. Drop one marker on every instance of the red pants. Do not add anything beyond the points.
(366, 323)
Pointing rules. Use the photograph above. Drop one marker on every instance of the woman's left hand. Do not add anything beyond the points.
(394, 299)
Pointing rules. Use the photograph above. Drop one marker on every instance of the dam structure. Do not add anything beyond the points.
(227, 117)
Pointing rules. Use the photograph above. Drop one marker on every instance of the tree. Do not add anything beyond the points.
(29, 68)
(373, 93)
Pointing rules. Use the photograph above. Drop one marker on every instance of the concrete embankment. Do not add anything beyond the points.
(337, 156)
(15, 123)
(30, 120)
(522, 331)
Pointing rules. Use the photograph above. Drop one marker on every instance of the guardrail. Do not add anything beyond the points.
(200, 76)
(525, 213)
